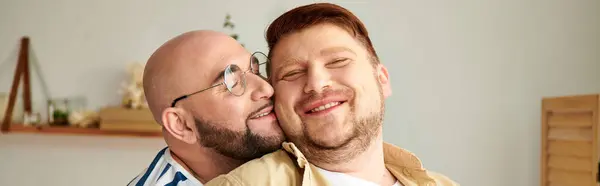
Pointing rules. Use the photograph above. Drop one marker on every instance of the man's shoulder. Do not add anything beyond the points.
(403, 162)
(276, 168)
(164, 170)
(147, 174)
(441, 179)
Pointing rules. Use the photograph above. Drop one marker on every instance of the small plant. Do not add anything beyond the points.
(229, 25)
(60, 117)
(59, 110)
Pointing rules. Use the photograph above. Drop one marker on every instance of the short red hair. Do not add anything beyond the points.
(306, 16)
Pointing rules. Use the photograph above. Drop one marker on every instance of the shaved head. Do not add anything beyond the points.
(171, 68)
(237, 126)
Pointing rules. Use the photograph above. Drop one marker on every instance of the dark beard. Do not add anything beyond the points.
(241, 145)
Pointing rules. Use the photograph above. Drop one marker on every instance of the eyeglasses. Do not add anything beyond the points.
(234, 78)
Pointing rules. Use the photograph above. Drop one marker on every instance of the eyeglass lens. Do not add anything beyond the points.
(234, 80)
(259, 64)
(234, 76)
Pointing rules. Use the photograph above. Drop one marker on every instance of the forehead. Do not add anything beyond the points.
(313, 42)
(215, 63)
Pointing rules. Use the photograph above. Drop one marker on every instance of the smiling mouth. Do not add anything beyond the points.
(325, 107)
(263, 111)
(260, 115)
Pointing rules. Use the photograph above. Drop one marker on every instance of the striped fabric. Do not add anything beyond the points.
(164, 171)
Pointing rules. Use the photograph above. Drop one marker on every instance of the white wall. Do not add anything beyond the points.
(467, 76)
(30, 160)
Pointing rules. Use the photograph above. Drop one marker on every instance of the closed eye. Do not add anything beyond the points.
(337, 63)
(293, 75)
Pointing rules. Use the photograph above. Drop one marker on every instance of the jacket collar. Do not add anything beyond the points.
(403, 164)
(393, 155)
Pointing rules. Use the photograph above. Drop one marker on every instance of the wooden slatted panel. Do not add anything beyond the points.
(570, 148)
(560, 177)
(578, 119)
(570, 134)
(569, 112)
(557, 184)
(570, 163)
(560, 184)
(572, 103)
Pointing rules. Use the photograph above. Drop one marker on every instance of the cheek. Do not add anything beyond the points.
(368, 97)
(285, 99)
(287, 118)
(232, 112)
(362, 82)
(286, 94)
(284, 104)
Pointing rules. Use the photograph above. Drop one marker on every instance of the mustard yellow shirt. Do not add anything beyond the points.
(288, 166)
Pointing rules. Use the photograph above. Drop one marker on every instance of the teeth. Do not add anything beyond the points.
(261, 115)
(326, 106)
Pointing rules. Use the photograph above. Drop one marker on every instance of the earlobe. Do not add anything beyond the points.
(384, 80)
(175, 122)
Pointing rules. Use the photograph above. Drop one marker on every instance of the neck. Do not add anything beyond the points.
(368, 165)
(207, 164)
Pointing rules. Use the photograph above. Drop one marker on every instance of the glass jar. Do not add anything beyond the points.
(59, 109)
(58, 112)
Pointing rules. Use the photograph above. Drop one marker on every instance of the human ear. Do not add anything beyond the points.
(384, 80)
(175, 121)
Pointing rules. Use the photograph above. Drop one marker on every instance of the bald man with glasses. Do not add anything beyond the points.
(211, 98)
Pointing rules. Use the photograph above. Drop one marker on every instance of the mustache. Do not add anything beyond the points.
(270, 103)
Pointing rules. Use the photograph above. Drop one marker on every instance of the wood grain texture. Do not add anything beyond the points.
(569, 144)
(569, 148)
(571, 134)
(577, 119)
(81, 131)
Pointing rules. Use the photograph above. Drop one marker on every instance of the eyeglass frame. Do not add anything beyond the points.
(243, 77)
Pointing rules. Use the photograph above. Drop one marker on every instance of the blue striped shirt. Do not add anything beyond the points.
(164, 171)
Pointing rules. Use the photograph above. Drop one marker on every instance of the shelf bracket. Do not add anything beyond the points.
(21, 71)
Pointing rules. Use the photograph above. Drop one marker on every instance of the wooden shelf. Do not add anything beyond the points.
(79, 131)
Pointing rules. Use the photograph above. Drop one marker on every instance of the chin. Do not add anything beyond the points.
(276, 138)
(329, 143)
(267, 130)
(329, 139)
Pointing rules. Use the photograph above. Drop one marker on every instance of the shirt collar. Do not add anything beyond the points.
(393, 155)
(403, 164)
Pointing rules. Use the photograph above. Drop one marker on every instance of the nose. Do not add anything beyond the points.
(318, 79)
(259, 88)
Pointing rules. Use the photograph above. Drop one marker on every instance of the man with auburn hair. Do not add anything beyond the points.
(214, 106)
(329, 98)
